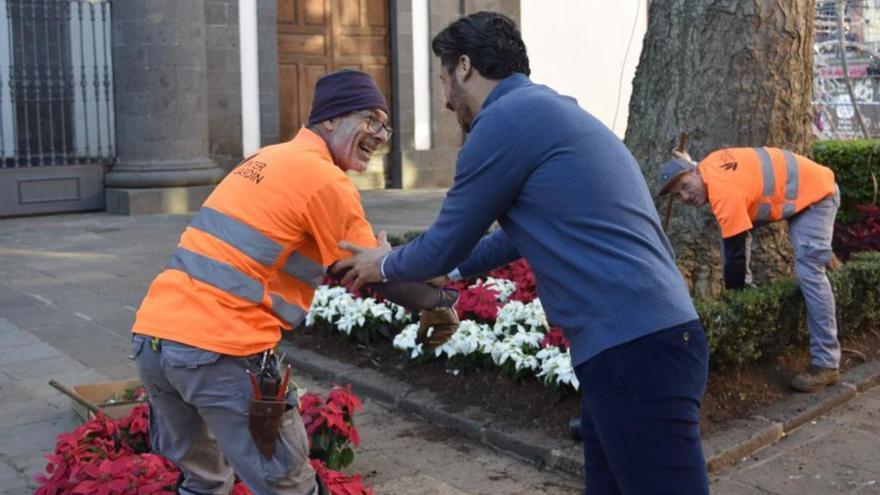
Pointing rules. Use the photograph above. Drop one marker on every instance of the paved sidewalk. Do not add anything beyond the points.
(32, 412)
(836, 453)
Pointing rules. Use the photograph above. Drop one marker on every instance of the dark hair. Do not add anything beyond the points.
(491, 40)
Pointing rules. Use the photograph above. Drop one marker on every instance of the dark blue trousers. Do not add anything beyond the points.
(640, 414)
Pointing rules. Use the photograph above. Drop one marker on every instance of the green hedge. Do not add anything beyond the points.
(745, 326)
(853, 163)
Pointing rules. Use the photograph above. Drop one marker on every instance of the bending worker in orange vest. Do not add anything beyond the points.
(748, 187)
(248, 264)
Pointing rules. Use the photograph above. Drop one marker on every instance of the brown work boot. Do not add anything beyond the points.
(815, 379)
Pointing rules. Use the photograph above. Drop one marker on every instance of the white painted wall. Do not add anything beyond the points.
(587, 49)
(248, 51)
(421, 73)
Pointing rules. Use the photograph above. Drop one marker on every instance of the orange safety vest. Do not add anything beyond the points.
(754, 186)
(251, 258)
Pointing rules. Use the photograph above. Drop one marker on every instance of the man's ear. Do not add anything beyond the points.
(329, 125)
(464, 67)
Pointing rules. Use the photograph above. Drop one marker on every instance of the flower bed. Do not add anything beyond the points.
(110, 457)
(503, 324)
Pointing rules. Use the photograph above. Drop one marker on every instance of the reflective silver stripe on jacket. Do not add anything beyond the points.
(769, 184)
(218, 274)
(238, 234)
(767, 171)
(303, 268)
(791, 184)
(291, 314)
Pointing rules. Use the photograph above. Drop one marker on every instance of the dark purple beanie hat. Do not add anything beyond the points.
(343, 92)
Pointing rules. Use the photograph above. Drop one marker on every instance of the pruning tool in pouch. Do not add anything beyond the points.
(267, 405)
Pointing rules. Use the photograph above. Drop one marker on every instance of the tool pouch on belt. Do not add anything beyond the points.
(264, 418)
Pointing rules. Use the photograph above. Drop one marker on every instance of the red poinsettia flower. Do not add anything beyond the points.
(555, 338)
(478, 302)
(520, 273)
(345, 398)
(338, 483)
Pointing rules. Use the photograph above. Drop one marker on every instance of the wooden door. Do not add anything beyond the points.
(320, 36)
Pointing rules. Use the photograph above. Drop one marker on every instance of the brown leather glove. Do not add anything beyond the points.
(436, 326)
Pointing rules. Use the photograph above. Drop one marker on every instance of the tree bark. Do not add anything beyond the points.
(729, 73)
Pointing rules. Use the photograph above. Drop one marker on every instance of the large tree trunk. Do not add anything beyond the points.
(729, 73)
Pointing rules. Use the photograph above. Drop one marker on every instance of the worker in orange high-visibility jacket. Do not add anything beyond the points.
(749, 187)
(245, 267)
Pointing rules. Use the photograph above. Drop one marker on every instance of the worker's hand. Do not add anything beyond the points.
(438, 281)
(364, 266)
(683, 155)
(436, 327)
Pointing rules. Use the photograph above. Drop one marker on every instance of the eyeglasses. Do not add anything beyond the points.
(374, 125)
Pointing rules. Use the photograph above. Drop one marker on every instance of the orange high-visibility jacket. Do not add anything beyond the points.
(754, 186)
(251, 258)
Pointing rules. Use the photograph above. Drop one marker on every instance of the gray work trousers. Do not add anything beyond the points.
(199, 420)
(811, 231)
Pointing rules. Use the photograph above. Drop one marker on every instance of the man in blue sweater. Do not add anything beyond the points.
(571, 199)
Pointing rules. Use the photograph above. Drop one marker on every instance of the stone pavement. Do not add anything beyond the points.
(69, 286)
(836, 453)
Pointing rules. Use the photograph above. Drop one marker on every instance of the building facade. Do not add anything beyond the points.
(141, 106)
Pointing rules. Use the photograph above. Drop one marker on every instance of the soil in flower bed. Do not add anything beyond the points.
(527, 403)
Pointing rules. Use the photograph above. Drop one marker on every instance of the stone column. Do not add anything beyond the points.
(160, 91)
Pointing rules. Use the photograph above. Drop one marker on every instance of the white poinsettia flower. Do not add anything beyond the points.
(555, 367)
(503, 351)
(505, 288)
(341, 309)
(565, 371)
(406, 339)
(349, 321)
(547, 357)
(466, 340)
(416, 352)
(500, 352)
(536, 319)
(379, 311)
(526, 338)
(509, 314)
(400, 313)
(516, 316)
(522, 360)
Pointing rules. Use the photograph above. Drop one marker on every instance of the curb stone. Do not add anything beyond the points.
(744, 437)
(569, 460)
(724, 448)
(803, 408)
(865, 376)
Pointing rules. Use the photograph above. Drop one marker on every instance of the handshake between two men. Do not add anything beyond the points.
(438, 320)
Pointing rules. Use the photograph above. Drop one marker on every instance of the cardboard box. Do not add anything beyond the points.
(101, 393)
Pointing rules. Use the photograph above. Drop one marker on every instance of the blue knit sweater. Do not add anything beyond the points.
(571, 199)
